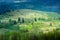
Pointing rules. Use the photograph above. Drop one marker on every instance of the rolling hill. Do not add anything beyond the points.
(28, 13)
(43, 19)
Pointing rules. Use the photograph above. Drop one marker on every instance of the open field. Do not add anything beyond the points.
(29, 25)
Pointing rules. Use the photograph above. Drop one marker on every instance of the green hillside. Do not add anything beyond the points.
(30, 16)
(29, 22)
(28, 12)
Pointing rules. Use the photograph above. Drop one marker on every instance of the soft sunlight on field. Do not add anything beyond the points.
(28, 24)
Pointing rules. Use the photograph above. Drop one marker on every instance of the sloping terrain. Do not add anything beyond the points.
(28, 12)
(36, 18)
(26, 24)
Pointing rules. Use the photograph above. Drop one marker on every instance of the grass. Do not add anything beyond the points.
(36, 26)
(39, 30)
(14, 35)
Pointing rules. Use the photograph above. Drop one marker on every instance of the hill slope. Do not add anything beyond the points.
(28, 13)
(30, 17)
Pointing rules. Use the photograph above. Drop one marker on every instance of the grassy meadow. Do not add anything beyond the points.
(28, 24)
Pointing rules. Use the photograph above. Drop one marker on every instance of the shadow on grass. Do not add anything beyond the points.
(55, 35)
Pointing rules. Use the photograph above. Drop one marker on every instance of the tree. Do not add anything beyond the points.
(35, 19)
(22, 20)
(19, 20)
